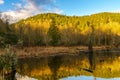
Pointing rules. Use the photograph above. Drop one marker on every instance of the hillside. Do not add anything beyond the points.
(101, 20)
(54, 29)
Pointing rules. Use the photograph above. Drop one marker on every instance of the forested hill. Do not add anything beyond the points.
(54, 29)
(62, 20)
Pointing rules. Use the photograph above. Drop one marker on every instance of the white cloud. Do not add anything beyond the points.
(56, 10)
(17, 5)
(1, 2)
(20, 12)
(31, 7)
(116, 11)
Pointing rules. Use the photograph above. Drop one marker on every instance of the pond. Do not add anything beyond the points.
(83, 66)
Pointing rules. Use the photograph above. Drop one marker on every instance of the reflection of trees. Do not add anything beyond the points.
(91, 60)
(54, 65)
(59, 66)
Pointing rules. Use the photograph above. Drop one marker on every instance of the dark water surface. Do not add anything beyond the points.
(82, 66)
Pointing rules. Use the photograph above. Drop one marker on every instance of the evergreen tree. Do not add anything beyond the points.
(54, 34)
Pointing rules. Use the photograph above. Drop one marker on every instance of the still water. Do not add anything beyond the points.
(82, 66)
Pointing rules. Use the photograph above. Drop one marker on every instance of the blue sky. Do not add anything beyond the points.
(24, 8)
(86, 7)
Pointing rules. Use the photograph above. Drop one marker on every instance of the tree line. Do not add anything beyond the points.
(51, 29)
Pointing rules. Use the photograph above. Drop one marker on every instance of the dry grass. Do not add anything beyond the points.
(44, 51)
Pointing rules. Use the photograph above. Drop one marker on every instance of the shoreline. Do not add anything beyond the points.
(48, 51)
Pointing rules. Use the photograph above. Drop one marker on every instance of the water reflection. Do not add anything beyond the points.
(88, 78)
(97, 64)
(54, 63)
(20, 77)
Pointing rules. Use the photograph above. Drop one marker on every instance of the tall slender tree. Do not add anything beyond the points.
(54, 33)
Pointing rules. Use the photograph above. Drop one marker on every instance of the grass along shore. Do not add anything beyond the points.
(46, 51)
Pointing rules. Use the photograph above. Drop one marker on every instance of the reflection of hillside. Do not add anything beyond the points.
(108, 68)
(71, 65)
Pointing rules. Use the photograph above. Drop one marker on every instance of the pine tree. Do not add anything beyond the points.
(54, 34)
